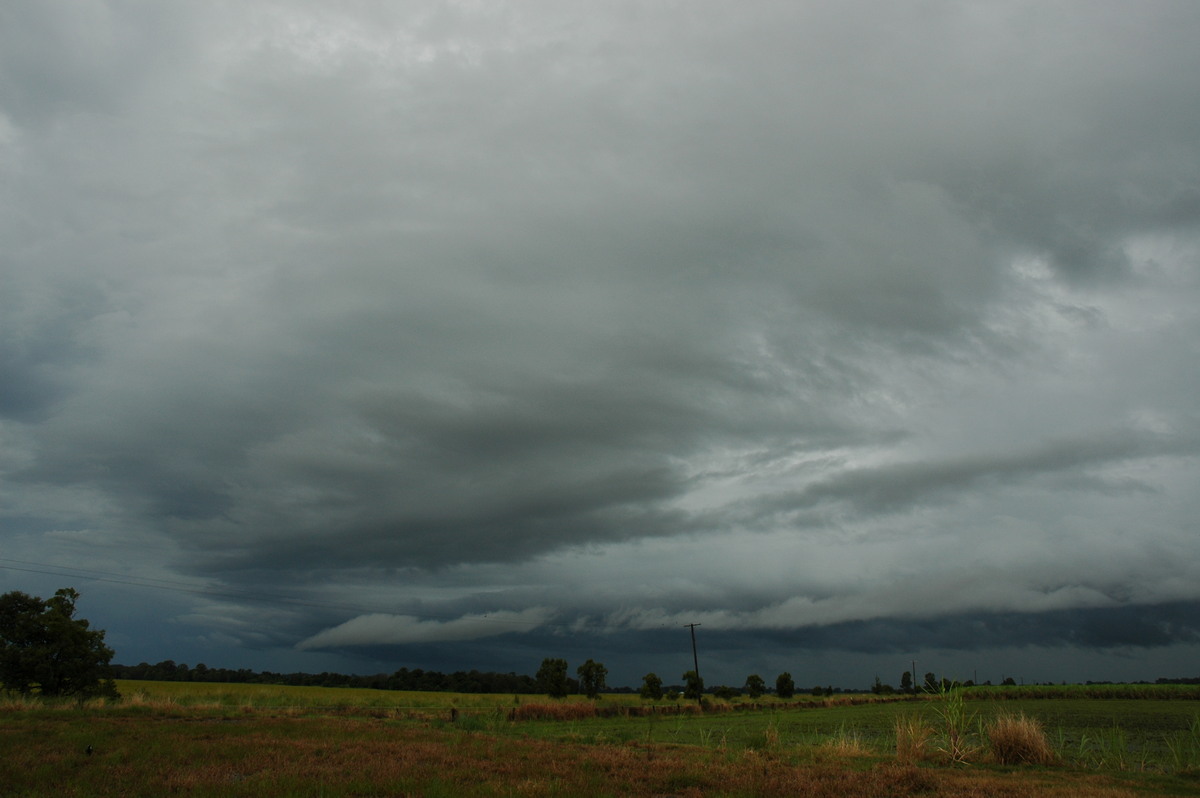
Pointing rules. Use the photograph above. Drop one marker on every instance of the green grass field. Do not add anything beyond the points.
(235, 739)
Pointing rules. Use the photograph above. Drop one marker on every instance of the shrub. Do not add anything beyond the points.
(1017, 740)
(552, 677)
(652, 687)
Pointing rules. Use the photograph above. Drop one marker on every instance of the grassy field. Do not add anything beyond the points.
(233, 740)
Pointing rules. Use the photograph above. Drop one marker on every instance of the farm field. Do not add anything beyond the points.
(232, 740)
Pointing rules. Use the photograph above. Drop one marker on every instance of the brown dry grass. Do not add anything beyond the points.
(563, 711)
(342, 756)
(1019, 740)
(913, 739)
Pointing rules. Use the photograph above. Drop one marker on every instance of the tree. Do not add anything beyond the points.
(44, 646)
(906, 682)
(552, 677)
(591, 678)
(784, 686)
(931, 683)
(693, 685)
(652, 687)
(755, 686)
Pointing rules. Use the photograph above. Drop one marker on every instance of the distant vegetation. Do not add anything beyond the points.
(45, 649)
(554, 680)
(404, 679)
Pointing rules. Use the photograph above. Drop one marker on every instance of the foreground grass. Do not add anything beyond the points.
(228, 739)
(43, 752)
(1116, 734)
(261, 696)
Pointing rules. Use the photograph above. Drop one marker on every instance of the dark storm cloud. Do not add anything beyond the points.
(727, 656)
(605, 318)
(1142, 626)
(1061, 465)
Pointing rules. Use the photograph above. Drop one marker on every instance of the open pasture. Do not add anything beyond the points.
(231, 740)
(218, 695)
(1130, 734)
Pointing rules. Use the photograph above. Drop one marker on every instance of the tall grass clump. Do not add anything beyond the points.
(913, 736)
(17, 702)
(142, 702)
(1183, 748)
(846, 743)
(1019, 740)
(956, 741)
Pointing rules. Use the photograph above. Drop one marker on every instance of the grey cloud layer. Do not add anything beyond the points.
(318, 298)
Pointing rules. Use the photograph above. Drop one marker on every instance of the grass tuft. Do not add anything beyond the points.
(1019, 740)
(845, 746)
(913, 736)
(17, 702)
(956, 741)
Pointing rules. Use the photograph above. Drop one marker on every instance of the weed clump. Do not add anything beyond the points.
(913, 737)
(1019, 740)
(846, 745)
(956, 742)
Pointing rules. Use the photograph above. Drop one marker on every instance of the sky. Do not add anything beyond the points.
(461, 335)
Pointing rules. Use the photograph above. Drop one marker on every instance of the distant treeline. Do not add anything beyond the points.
(403, 679)
(417, 679)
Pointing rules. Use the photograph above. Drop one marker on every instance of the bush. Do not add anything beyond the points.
(652, 687)
(552, 677)
(1018, 740)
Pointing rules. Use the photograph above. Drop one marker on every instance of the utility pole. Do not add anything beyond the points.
(696, 662)
(914, 684)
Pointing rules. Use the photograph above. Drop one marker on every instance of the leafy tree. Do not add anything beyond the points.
(725, 692)
(552, 677)
(591, 678)
(43, 645)
(931, 683)
(693, 685)
(906, 682)
(755, 686)
(652, 687)
(784, 686)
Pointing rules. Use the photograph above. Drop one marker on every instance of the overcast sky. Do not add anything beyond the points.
(461, 335)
